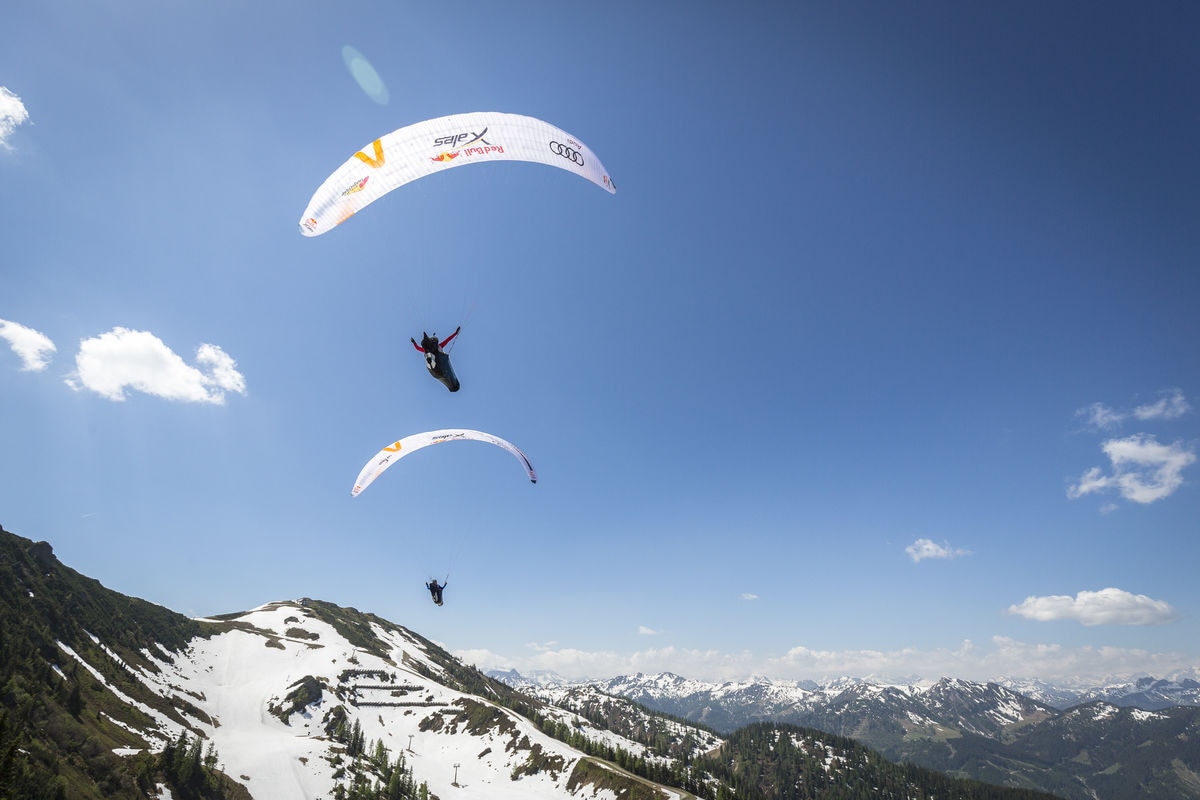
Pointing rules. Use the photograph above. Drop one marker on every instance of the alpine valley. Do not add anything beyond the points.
(108, 696)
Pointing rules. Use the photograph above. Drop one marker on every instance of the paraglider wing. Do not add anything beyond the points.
(409, 444)
(434, 145)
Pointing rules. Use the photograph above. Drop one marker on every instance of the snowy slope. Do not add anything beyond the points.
(235, 678)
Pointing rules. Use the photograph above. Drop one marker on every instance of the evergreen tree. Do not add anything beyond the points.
(75, 700)
(379, 756)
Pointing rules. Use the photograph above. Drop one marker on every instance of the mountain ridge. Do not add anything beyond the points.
(103, 695)
(1146, 692)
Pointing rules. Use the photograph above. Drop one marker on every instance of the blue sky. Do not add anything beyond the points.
(882, 360)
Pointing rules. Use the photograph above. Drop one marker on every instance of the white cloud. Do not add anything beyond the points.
(12, 114)
(221, 367)
(1171, 406)
(644, 631)
(1087, 663)
(1098, 415)
(805, 661)
(927, 548)
(34, 347)
(1105, 607)
(122, 359)
(1143, 470)
(749, 596)
(581, 664)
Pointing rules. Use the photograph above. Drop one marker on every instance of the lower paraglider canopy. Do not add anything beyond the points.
(417, 441)
(437, 359)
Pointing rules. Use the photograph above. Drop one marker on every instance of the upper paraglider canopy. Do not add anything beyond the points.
(434, 145)
(398, 450)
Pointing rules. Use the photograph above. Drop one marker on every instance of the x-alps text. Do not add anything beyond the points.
(457, 139)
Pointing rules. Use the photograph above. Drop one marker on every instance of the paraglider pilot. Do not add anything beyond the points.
(436, 358)
(435, 591)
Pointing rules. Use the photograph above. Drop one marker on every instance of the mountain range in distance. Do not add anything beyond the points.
(1139, 738)
(764, 697)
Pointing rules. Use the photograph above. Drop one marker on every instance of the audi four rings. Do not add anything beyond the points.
(558, 148)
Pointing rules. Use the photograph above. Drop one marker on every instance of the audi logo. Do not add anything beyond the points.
(560, 149)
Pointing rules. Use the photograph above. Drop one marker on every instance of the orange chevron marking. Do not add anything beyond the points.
(375, 162)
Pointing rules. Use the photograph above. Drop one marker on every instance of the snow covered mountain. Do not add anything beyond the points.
(1148, 694)
(271, 687)
(723, 707)
(729, 705)
(293, 699)
(242, 683)
(531, 678)
(841, 706)
(985, 730)
(1144, 692)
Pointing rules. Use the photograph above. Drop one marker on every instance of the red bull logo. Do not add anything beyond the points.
(357, 186)
(444, 156)
(483, 151)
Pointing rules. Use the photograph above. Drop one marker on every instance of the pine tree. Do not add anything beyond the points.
(379, 756)
(75, 700)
